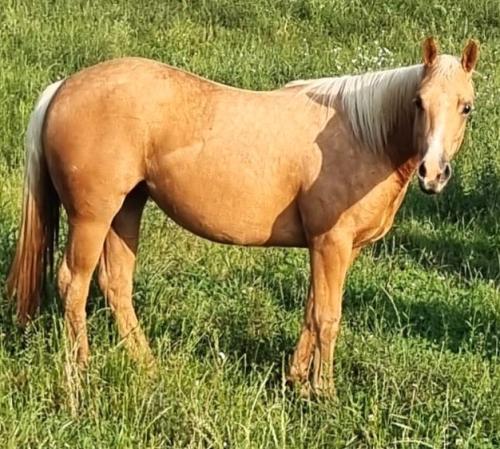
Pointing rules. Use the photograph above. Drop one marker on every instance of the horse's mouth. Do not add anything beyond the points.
(431, 188)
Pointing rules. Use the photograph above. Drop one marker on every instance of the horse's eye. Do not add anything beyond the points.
(467, 109)
(418, 102)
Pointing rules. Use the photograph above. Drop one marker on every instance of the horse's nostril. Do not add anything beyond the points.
(447, 171)
(421, 170)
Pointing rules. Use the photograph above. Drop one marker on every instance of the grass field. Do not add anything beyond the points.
(417, 363)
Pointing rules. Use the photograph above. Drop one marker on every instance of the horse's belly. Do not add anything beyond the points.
(220, 220)
(223, 204)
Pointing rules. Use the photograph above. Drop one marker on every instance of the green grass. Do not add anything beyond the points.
(417, 364)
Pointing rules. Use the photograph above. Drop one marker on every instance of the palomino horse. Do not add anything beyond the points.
(322, 164)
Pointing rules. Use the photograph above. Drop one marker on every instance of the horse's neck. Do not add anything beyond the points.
(402, 151)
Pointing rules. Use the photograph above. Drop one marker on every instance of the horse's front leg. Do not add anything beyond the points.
(331, 255)
(302, 356)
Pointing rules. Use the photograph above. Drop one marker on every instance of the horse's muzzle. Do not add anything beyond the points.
(433, 181)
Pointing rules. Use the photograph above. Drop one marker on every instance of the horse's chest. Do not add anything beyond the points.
(374, 216)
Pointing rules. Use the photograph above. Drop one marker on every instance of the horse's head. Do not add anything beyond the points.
(443, 103)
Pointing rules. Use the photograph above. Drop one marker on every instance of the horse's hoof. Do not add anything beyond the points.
(327, 391)
(299, 386)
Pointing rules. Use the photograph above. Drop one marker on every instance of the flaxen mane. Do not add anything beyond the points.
(374, 102)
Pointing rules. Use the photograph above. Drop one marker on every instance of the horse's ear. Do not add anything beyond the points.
(470, 55)
(430, 50)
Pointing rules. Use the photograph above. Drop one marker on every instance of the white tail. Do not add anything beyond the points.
(40, 218)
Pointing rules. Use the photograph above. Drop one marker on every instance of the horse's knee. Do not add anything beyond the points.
(327, 329)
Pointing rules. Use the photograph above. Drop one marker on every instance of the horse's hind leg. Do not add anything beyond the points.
(84, 245)
(116, 269)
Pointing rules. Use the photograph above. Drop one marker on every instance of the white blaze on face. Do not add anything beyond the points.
(435, 149)
(435, 152)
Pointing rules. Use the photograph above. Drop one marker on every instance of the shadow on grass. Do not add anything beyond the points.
(453, 327)
(477, 210)
(445, 325)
